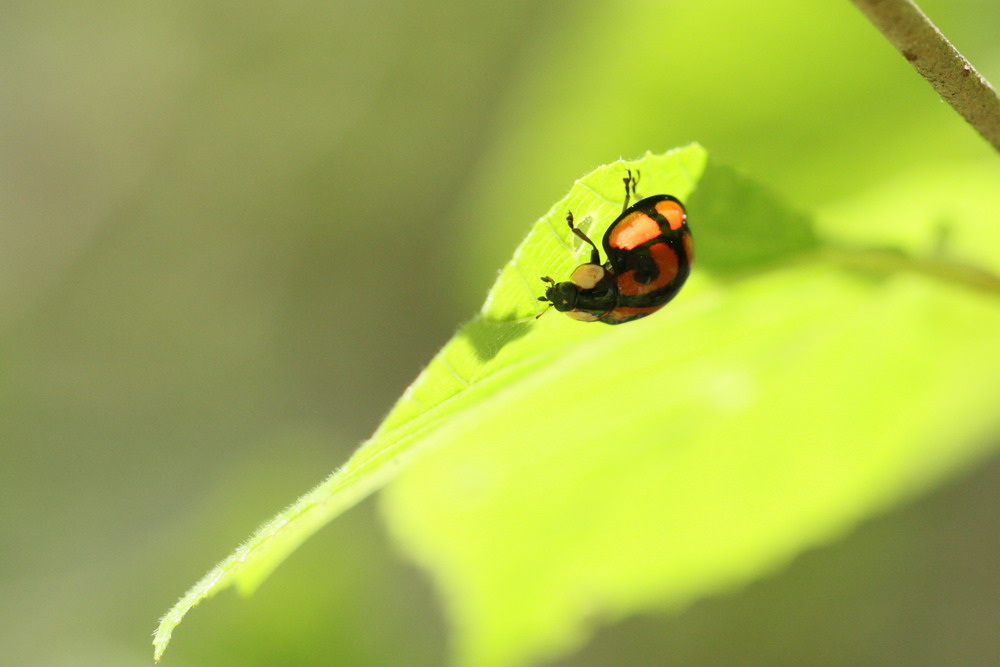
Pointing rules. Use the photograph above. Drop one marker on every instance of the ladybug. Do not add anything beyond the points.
(649, 252)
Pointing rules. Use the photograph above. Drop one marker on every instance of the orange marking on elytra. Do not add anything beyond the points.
(621, 312)
(688, 247)
(633, 231)
(666, 261)
(673, 212)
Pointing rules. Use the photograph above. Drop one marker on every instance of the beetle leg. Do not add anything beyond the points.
(595, 256)
(630, 184)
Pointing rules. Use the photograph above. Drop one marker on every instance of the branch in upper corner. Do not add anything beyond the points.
(930, 52)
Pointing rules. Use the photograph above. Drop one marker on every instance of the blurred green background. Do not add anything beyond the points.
(232, 233)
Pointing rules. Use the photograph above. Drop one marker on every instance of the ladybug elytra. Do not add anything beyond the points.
(649, 251)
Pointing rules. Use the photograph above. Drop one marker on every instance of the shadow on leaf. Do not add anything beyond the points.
(741, 226)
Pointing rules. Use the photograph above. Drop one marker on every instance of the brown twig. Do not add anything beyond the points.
(933, 56)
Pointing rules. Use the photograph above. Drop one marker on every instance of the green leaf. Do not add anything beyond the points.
(554, 471)
(650, 464)
(490, 355)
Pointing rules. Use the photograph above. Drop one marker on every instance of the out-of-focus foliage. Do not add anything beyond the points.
(217, 218)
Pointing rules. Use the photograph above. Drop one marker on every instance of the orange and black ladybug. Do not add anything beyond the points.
(649, 251)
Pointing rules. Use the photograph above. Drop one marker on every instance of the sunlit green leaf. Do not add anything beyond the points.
(768, 409)
(569, 471)
(492, 354)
